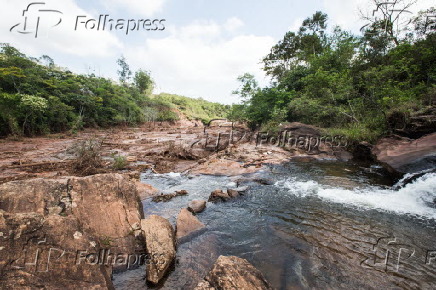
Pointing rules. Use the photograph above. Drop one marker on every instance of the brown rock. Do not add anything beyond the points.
(232, 193)
(40, 253)
(168, 197)
(197, 206)
(218, 195)
(146, 190)
(187, 224)
(233, 273)
(181, 192)
(108, 205)
(65, 223)
(403, 155)
(222, 167)
(160, 247)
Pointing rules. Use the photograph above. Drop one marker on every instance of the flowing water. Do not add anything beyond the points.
(319, 225)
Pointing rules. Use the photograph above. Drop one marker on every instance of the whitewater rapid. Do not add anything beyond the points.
(416, 198)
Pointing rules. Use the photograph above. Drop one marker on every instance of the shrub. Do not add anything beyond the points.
(88, 157)
(120, 162)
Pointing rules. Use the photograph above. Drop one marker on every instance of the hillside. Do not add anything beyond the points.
(38, 97)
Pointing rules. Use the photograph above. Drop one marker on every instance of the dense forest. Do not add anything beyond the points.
(360, 86)
(38, 97)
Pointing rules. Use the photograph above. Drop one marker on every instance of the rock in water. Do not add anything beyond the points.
(187, 224)
(232, 193)
(146, 190)
(168, 197)
(197, 206)
(160, 247)
(233, 273)
(218, 195)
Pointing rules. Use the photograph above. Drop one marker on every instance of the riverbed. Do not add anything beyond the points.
(318, 224)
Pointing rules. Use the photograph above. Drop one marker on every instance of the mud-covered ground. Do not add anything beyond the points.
(161, 147)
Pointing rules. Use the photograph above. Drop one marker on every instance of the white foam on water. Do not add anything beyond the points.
(415, 198)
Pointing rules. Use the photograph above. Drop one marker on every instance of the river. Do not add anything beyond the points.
(319, 225)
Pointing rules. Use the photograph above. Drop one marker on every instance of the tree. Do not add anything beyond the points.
(425, 22)
(247, 88)
(124, 73)
(296, 49)
(143, 81)
(386, 22)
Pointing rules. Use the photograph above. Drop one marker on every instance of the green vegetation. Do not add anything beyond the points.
(349, 84)
(196, 109)
(38, 97)
(88, 158)
(120, 162)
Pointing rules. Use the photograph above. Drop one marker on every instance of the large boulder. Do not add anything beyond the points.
(233, 273)
(403, 155)
(50, 252)
(65, 224)
(160, 247)
(187, 224)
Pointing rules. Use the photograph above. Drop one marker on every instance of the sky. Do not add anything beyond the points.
(198, 49)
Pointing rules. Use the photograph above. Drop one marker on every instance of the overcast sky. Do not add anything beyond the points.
(205, 46)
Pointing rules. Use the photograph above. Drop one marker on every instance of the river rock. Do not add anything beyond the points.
(230, 272)
(197, 206)
(146, 190)
(232, 193)
(160, 247)
(168, 197)
(222, 167)
(39, 252)
(187, 224)
(218, 195)
(65, 221)
(403, 155)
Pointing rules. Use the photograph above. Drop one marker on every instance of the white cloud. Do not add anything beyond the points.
(233, 24)
(53, 40)
(198, 61)
(146, 8)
